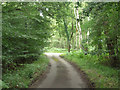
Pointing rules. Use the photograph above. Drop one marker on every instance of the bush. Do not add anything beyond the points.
(23, 76)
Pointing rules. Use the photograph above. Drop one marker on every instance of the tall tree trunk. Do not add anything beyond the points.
(80, 35)
(78, 27)
(68, 40)
(76, 38)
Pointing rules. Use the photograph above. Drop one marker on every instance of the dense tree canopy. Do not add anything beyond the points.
(88, 31)
(27, 28)
(95, 29)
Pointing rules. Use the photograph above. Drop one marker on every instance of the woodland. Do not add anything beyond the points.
(90, 29)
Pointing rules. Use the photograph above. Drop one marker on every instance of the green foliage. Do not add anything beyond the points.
(103, 28)
(56, 50)
(25, 32)
(24, 75)
(102, 76)
(27, 28)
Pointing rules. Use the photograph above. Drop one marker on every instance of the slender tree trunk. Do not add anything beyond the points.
(76, 36)
(80, 35)
(68, 40)
(78, 27)
(76, 40)
(73, 46)
(71, 33)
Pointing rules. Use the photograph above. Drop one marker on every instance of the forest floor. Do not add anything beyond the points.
(61, 75)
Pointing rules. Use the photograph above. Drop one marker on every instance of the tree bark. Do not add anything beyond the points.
(78, 27)
(68, 40)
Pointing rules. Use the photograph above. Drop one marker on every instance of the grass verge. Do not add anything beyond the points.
(102, 76)
(23, 76)
(55, 50)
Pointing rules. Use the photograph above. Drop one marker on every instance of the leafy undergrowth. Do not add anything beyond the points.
(102, 76)
(55, 50)
(23, 76)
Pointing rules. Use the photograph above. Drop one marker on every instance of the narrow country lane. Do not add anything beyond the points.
(61, 75)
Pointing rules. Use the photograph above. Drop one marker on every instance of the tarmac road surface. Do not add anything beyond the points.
(61, 75)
